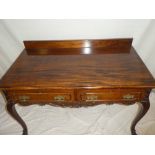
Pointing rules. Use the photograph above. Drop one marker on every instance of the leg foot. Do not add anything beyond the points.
(12, 111)
(143, 108)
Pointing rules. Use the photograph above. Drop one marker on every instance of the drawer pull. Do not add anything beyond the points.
(128, 97)
(59, 98)
(24, 98)
(92, 98)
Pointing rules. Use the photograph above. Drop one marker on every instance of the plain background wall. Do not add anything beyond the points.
(13, 32)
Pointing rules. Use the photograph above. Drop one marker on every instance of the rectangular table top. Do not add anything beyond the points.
(78, 67)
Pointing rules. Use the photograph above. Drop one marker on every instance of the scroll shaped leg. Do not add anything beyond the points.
(12, 111)
(143, 108)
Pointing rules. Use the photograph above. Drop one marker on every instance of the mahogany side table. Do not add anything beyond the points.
(75, 73)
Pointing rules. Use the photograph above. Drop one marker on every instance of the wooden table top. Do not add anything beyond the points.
(94, 67)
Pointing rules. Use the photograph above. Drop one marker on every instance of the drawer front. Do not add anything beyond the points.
(98, 95)
(30, 96)
(71, 97)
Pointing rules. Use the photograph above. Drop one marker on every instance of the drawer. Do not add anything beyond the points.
(89, 95)
(70, 97)
(43, 96)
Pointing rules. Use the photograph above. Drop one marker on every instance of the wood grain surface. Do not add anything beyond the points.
(77, 73)
(72, 71)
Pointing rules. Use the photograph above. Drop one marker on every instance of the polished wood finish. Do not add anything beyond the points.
(12, 111)
(41, 96)
(78, 73)
(73, 97)
(142, 110)
(74, 47)
(106, 44)
(121, 70)
(10, 107)
(117, 95)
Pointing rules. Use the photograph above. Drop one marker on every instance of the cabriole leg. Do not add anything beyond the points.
(143, 108)
(12, 111)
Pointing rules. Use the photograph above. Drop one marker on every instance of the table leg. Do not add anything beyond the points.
(143, 108)
(12, 111)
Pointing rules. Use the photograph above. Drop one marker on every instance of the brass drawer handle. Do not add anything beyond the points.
(59, 98)
(92, 98)
(128, 97)
(24, 98)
